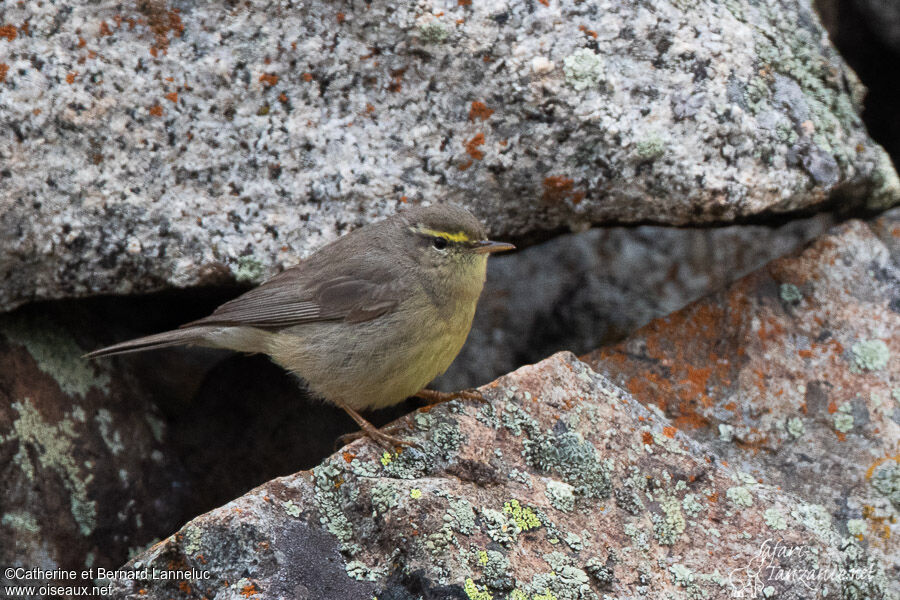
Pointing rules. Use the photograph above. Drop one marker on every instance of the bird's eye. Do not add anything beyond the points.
(439, 243)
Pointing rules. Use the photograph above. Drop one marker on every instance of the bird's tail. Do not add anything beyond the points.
(176, 337)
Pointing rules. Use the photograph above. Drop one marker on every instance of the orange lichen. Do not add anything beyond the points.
(4, 69)
(172, 97)
(156, 110)
(558, 188)
(589, 32)
(340, 18)
(282, 97)
(545, 2)
(479, 110)
(464, 2)
(348, 457)
(249, 590)
(307, 77)
(81, 42)
(269, 79)
(472, 146)
(9, 32)
(647, 438)
(70, 77)
(669, 432)
(162, 22)
(105, 31)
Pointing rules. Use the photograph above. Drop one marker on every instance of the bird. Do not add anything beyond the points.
(367, 320)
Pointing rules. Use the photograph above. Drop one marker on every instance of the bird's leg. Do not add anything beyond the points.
(386, 441)
(435, 397)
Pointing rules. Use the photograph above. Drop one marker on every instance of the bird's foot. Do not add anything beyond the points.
(435, 397)
(382, 437)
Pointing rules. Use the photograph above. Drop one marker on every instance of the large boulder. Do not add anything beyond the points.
(561, 486)
(792, 374)
(156, 143)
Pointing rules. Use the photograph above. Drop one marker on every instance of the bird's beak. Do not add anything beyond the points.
(489, 247)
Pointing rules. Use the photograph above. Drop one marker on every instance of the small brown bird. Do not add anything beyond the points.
(368, 320)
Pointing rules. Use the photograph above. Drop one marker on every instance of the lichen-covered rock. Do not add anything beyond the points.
(561, 487)
(793, 375)
(581, 291)
(87, 477)
(162, 143)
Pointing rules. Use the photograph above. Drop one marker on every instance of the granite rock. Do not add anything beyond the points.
(561, 487)
(792, 375)
(166, 143)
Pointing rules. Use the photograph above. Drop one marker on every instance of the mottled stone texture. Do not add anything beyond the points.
(793, 375)
(88, 477)
(561, 487)
(581, 291)
(149, 144)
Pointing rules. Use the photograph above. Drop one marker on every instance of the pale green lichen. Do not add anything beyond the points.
(775, 519)
(795, 427)
(583, 69)
(495, 569)
(573, 457)
(55, 354)
(362, 572)
(691, 504)
(437, 542)
(740, 495)
(790, 293)
(291, 508)
(814, 517)
(681, 575)
(573, 541)
(433, 32)
(111, 437)
(565, 582)
(20, 521)
(870, 355)
(667, 529)
(843, 420)
(326, 477)
(463, 514)
(193, 539)
(561, 495)
(639, 538)
(856, 527)
(499, 527)
(52, 446)
(886, 480)
(248, 269)
(650, 148)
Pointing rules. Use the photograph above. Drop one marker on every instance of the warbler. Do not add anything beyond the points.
(367, 320)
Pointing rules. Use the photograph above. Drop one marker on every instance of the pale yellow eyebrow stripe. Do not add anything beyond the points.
(450, 237)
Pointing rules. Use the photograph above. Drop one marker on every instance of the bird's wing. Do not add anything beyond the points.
(290, 299)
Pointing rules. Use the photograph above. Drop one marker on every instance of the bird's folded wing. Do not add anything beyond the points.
(284, 301)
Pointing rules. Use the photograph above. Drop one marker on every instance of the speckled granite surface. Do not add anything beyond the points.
(153, 144)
